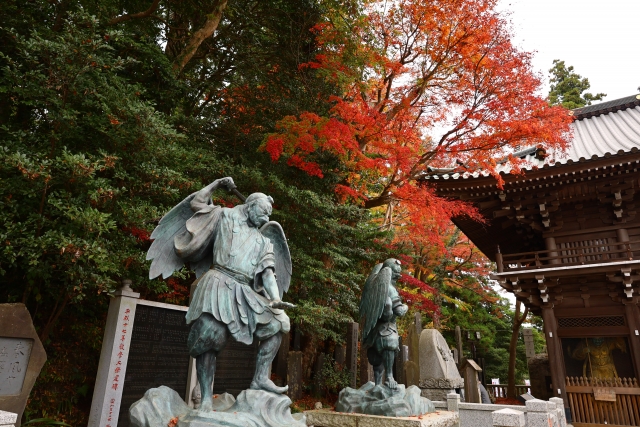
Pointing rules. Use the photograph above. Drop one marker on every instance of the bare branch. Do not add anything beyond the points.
(129, 16)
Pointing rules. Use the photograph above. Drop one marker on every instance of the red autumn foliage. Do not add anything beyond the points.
(421, 84)
(417, 294)
(177, 293)
(140, 234)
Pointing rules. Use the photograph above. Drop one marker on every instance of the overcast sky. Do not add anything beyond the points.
(599, 38)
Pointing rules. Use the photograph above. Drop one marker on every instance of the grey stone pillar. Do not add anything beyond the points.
(112, 368)
(560, 412)
(541, 413)
(508, 418)
(453, 402)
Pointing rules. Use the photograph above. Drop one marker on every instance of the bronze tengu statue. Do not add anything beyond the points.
(379, 307)
(237, 253)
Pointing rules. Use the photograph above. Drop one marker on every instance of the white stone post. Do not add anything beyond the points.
(508, 418)
(107, 392)
(8, 419)
(541, 413)
(453, 402)
(562, 418)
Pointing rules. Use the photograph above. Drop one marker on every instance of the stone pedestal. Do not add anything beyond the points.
(162, 406)
(438, 372)
(326, 418)
(381, 400)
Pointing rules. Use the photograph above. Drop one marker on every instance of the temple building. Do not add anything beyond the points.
(565, 237)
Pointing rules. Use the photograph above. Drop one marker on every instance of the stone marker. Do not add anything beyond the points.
(21, 358)
(470, 370)
(529, 346)
(412, 365)
(507, 418)
(352, 351)
(8, 419)
(438, 372)
(294, 375)
(107, 392)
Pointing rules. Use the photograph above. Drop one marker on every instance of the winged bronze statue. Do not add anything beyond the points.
(379, 307)
(243, 269)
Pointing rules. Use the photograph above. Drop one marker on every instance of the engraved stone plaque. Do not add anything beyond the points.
(158, 355)
(14, 360)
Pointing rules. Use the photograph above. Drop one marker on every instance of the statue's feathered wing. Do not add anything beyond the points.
(374, 296)
(274, 232)
(174, 225)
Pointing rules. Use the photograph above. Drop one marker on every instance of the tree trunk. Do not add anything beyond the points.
(513, 345)
(209, 27)
(55, 314)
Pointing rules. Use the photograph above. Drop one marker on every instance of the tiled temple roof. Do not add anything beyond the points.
(601, 130)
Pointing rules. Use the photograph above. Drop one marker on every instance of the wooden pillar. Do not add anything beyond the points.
(554, 349)
(623, 237)
(633, 321)
(550, 245)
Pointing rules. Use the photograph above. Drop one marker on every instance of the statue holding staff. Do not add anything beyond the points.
(243, 269)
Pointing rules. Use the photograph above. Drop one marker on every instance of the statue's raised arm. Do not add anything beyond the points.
(186, 233)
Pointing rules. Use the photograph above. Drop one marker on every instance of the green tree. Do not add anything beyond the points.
(569, 88)
(100, 136)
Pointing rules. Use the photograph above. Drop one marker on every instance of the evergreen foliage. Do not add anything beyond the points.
(569, 88)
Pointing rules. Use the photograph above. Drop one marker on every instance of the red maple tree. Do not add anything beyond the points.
(421, 84)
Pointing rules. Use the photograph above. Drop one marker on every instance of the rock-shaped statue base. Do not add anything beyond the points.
(253, 408)
(381, 400)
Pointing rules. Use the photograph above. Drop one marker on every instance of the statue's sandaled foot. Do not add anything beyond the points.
(391, 383)
(206, 405)
(268, 385)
